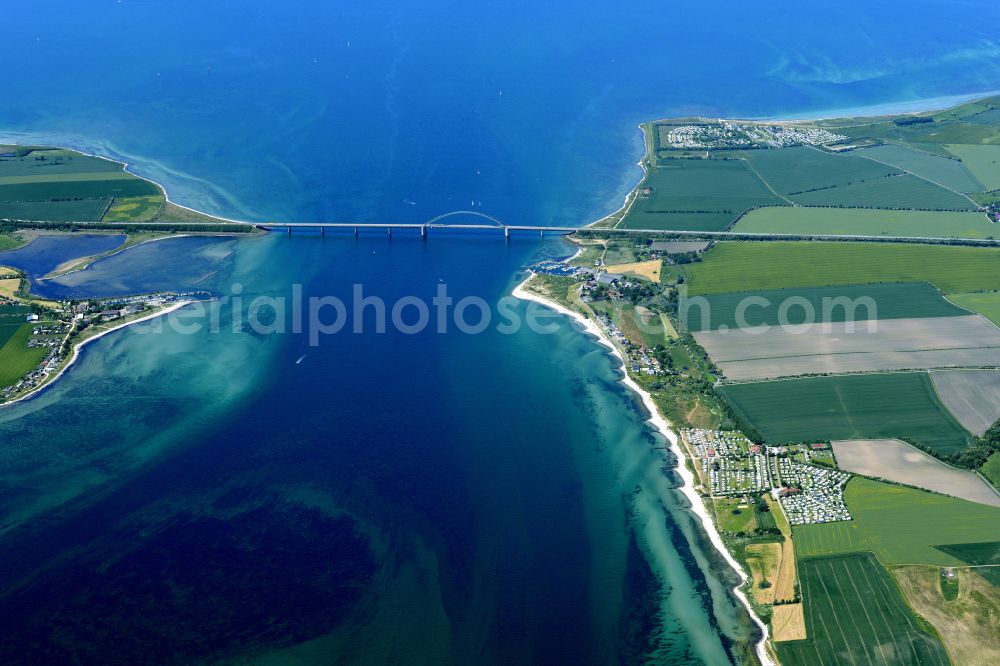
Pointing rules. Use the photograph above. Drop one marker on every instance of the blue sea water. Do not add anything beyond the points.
(387, 498)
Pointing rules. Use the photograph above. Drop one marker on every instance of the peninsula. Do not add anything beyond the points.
(49, 190)
(799, 302)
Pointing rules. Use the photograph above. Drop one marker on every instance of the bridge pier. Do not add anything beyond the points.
(541, 233)
(423, 231)
(322, 231)
(289, 229)
(506, 232)
(389, 229)
(355, 232)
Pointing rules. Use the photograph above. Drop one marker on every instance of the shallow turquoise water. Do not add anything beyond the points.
(429, 498)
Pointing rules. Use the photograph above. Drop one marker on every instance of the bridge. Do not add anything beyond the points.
(435, 223)
(494, 224)
(491, 224)
(423, 228)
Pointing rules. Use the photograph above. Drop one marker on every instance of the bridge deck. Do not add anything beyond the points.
(403, 225)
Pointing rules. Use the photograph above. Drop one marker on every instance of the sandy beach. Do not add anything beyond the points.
(660, 424)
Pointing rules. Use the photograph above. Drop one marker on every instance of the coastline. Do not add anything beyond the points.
(126, 167)
(660, 424)
(902, 108)
(83, 343)
(89, 261)
(920, 105)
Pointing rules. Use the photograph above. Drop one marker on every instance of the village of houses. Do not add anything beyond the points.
(803, 478)
(799, 476)
(53, 328)
(610, 286)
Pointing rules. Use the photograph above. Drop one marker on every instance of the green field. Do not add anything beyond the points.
(987, 552)
(865, 406)
(793, 171)
(969, 111)
(986, 303)
(8, 328)
(855, 615)
(901, 525)
(697, 195)
(9, 241)
(891, 301)
(903, 192)
(982, 161)
(867, 222)
(49, 162)
(81, 210)
(753, 266)
(950, 173)
(984, 556)
(987, 117)
(78, 189)
(927, 136)
(991, 469)
(65, 177)
(16, 359)
(640, 331)
(11, 310)
(134, 209)
(734, 519)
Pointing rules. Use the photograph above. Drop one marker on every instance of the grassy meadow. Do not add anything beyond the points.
(10, 241)
(134, 209)
(734, 516)
(968, 624)
(986, 303)
(16, 358)
(991, 469)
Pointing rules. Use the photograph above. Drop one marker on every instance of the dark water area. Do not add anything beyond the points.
(219, 494)
(357, 501)
(46, 253)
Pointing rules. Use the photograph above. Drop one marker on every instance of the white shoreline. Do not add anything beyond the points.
(921, 105)
(873, 111)
(125, 167)
(661, 425)
(76, 349)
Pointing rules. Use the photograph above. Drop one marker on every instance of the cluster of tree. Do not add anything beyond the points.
(983, 447)
(913, 120)
(672, 211)
(971, 457)
(635, 292)
(686, 258)
(10, 226)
